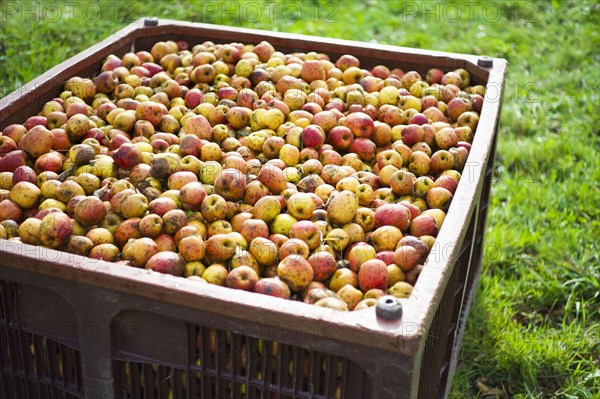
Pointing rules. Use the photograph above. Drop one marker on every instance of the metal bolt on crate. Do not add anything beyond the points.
(388, 308)
(485, 61)
(150, 21)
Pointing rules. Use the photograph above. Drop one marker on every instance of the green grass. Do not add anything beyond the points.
(534, 330)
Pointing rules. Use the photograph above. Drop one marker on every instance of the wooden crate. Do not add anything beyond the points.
(74, 327)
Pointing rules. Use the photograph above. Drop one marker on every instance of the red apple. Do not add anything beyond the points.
(373, 274)
(166, 262)
(242, 278)
(313, 136)
(393, 215)
(272, 286)
(360, 124)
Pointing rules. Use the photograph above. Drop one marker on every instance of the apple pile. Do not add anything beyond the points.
(283, 174)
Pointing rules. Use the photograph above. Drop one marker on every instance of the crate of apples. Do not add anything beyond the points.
(290, 175)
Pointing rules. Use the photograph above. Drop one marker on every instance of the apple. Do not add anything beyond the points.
(293, 246)
(127, 156)
(55, 230)
(301, 206)
(365, 219)
(191, 195)
(242, 278)
(29, 231)
(308, 232)
(457, 106)
(408, 102)
(341, 277)
(468, 118)
(192, 248)
(173, 220)
(253, 228)
(272, 286)
(364, 148)
(150, 111)
(189, 230)
(435, 114)
(350, 295)
(220, 247)
(151, 225)
(77, 126)
(166, 262)
(32, 121)
(273, 178)
(25, 194)
(447, 182)
(401, 289)
(230, 184)
(264, 251)
(418, 119)
(326, 119)
(385, 238)
(313, 136)
(7, 145)
(161, 205)
(423, 225)
(152, 67)
(422, 186)
(266, 208)
(342, 208)
(451, 78)
(323, 264)
(79, 245)
(412, 134)
(402, 182)
(317, 291)
(440, 161)
(296, 272)
(389, 157)
(254, 191)
(166, 243)
(382, 134)
(360, 124)
(460, 155)
(106, 252)
(428, 101)
(434, 75)
(23, 173)
(393, 215)
(81, 154)
(106, 82)
(37, 141)
(406, 257)
(417, 244)
(139, 251)
(111, 221)
(43, 212)
(360, 253)
(439, 198)
(419, 163)
(189, 145)
(213, 207)
(477, 102)
(14, 132)
(386, 256)
(464, 134)
(373, 274)
(409, 78)
(90, 211)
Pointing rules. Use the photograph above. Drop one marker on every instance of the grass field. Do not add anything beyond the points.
(534, 330)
